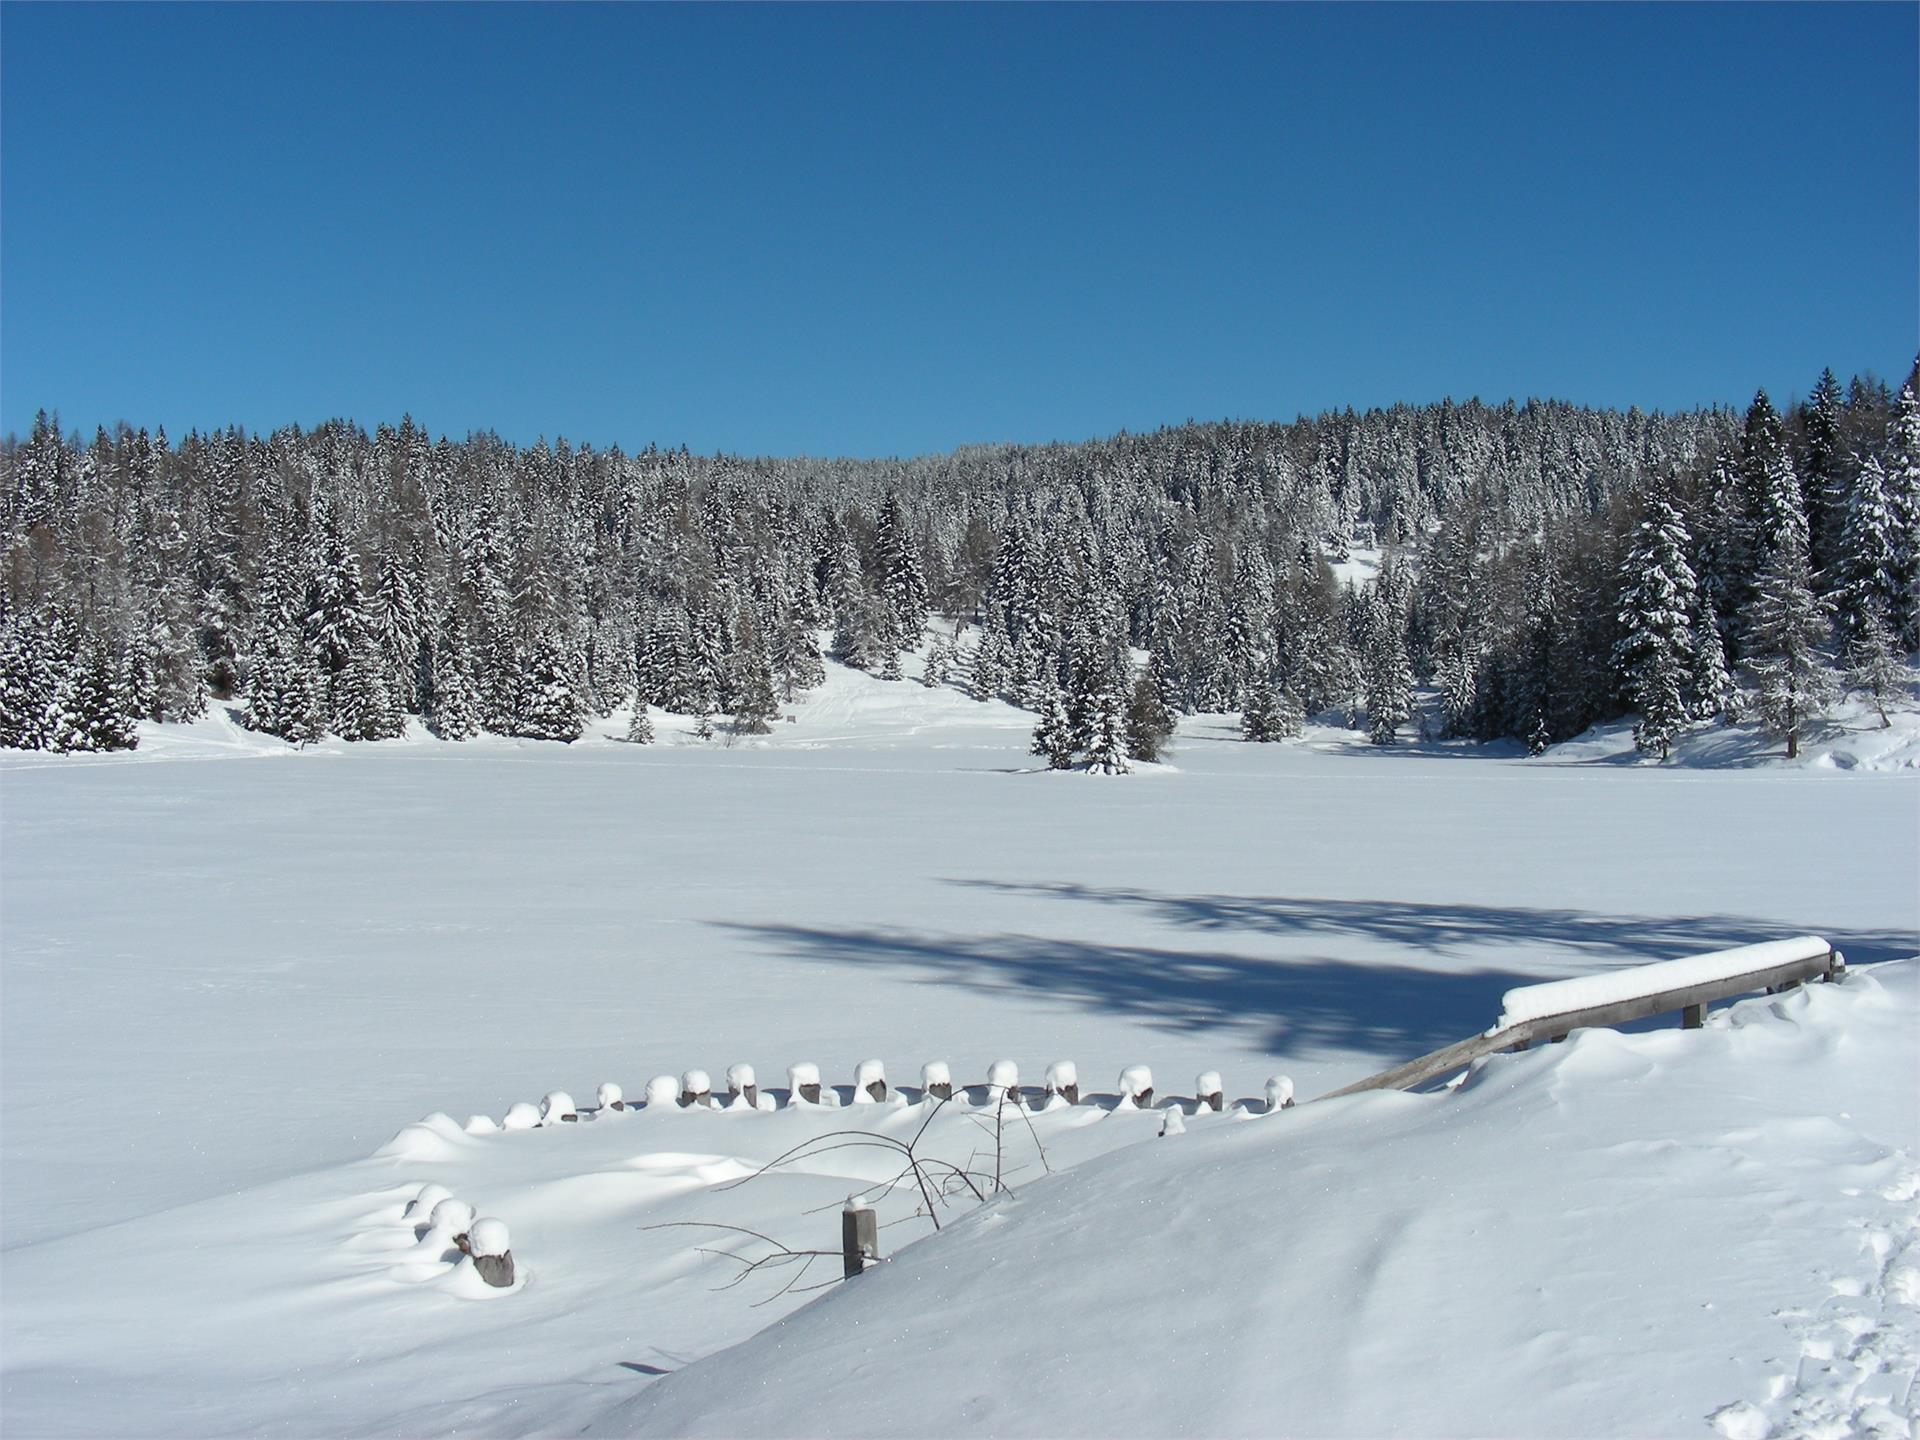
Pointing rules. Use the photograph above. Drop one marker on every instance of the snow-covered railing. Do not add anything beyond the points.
(693, 1090)
(1556, 1008)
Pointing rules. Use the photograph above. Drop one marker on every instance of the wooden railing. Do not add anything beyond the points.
(1686, 986)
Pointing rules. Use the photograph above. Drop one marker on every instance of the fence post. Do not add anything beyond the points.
(859, 1240)
(1693, 1017)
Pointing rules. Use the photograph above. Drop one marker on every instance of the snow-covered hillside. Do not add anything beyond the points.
(232, 971)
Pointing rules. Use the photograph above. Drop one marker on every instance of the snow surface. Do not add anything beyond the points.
(1562, 997)
(1635, 1235)
(229, 987)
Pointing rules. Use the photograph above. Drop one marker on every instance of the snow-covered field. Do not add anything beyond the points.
(233, 972)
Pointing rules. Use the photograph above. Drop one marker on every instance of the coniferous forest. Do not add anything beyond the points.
(1542, 567)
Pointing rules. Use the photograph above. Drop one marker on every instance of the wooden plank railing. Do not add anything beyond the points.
(1820, 962)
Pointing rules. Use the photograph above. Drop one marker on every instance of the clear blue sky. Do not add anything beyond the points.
(889, 230)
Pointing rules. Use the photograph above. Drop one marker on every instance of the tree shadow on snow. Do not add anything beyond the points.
(1432, 928)
(1276, 1005)
(1283, 1004)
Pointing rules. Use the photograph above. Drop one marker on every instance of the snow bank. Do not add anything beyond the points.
(1583, 992)
(1701, 1247)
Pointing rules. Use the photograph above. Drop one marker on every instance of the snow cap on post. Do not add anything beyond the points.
(610, 1097)
(741, 1082)
(1003, 1079)
(869, 1082)
(1063, 1079)
(422, 1204)
(1172, 1122)
(1136, 1086)
(452, 1216)
(936, 1078)
(803, 1083)
(488, 1244)
(663, 1092)
(556, 1107)
(1279, 1093)
(1207, 1089)
(488, 1237)
(520, 1116)
(695, 1087)
(481, 1125)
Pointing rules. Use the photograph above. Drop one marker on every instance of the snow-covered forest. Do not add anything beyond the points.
(1528, 569)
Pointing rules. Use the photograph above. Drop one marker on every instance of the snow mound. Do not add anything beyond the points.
(1495, 1260)
(437, 1137)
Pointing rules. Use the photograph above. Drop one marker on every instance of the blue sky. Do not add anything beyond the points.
(883, 230)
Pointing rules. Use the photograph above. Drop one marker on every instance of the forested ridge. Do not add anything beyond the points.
(1542, 567)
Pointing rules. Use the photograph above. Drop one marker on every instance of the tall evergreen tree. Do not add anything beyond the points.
(1655, 652)
(456, 700)
(1788, 629)
(1875, 667)
(1107, 732)
(1053, 734)
(549, 704)
(1150, 722)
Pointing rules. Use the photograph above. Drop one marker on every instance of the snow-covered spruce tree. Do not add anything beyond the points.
(1875, 667)
(939, 663)
(1655, 652)
(754, 705)
(1150, 723)
(640, 727)
(796, 657)
(1715, 696)
(987, 664)
(549, 705)
(903, 583)
(29, 683)
(1107, 733)
(1389, 672)
(1787, 629)
(1053, 734)
(395, 624)
(861, 637)
(1822, 470)
(363, 707)
(1271, 714)
(96, 711)
(455, 714)
(1903, 503)
(285, 693)
(1869, 563)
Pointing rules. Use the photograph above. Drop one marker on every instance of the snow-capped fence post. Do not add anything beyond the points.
(1136, 1086)
(486, 1243)
(742, 1083)
(803, 1082)
(936, 1078)
(1692, 1017)
(859, 1239)
(695, 1088)
(1208, 1091)
(869, 1082)
(1003, 1082)
(1063, 1079)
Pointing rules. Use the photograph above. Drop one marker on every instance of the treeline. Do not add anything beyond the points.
(1542, 567)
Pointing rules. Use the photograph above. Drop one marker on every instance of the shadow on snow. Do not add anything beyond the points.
(1291, 1004)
